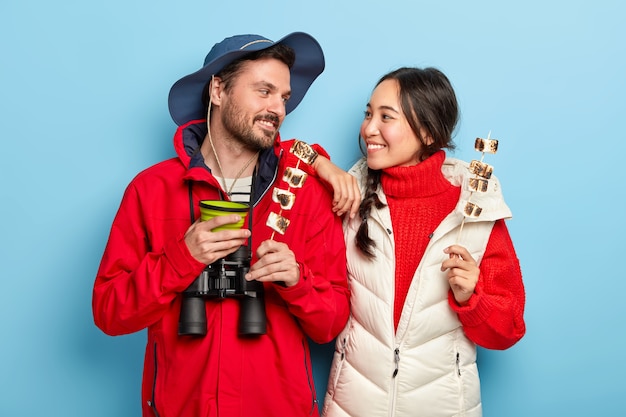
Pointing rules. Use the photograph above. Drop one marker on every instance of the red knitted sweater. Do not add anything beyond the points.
(419, 198)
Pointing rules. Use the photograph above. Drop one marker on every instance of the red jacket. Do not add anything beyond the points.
(146, 265)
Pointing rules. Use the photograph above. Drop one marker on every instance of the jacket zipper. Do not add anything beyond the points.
(280, 156)
(308, 378)
(344, 342)
(459, 380)
(152, 401)
(396, 360)
(394, 381)
(337, 367)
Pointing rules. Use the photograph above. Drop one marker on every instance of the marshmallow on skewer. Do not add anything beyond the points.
(478, 184)
(472, 210)
(295, 177)
(486, 145)
(480, 168)
(283, 197)
(277, 222)
(303, 151)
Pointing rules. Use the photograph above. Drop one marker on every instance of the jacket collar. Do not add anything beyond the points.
(187, 141)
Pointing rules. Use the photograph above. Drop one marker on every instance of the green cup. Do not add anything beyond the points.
(212, 208)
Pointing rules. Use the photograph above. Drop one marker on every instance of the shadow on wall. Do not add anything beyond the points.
(321, 357)
(103, 361)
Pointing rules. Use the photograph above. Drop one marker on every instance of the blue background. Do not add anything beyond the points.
(83, 92)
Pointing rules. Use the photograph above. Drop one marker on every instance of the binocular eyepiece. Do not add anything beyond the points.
(224, 278)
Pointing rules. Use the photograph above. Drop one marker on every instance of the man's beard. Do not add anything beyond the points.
(235, 123)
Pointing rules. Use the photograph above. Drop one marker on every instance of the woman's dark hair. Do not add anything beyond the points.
(429, 104)
(279, 51)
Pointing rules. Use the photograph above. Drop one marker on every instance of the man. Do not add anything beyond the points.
(229, 148)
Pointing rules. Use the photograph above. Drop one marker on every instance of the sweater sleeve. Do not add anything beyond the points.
(494, 317)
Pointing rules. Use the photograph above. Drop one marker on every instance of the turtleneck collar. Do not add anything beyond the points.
(422, 180)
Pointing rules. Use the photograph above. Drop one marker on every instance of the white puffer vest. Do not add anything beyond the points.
(427, 367)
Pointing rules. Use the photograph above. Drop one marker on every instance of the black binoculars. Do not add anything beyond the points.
(224, 278)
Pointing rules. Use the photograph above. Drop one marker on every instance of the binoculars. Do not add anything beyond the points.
(224, 278)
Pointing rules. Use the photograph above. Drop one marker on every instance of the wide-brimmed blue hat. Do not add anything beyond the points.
(185, 98)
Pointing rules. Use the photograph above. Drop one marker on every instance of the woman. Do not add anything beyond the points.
(423, 295)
